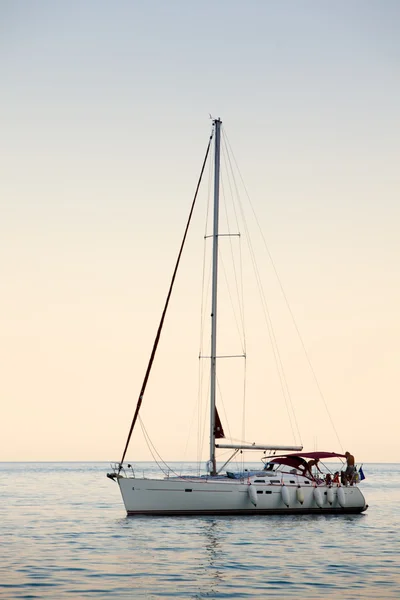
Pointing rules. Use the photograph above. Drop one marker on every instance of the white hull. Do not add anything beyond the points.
(224, 496)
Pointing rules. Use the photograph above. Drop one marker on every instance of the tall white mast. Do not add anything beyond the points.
(217, 125)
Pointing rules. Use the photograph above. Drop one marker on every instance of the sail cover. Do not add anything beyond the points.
(218, 431)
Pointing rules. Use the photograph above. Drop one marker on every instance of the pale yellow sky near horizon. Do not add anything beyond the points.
(104, 118)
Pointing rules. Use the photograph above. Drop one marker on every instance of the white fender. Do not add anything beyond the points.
(318, 497)
(341, 496)
(251, 490)
(299, 494)
(285, 494)
(330, 495)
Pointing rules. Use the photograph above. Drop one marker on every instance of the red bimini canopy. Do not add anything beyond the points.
(299, 459)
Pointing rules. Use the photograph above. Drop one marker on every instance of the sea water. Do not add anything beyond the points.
(64, 533)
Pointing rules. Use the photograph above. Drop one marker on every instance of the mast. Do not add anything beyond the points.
(217, 125)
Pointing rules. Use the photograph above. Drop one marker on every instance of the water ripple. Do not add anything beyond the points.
(66, 536)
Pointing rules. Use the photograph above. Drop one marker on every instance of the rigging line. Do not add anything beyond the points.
(201, 377)
(240, 307)
(199, 404)
(289, 307)
(242, 295)
(157, 338)
(153, 450)
(230, 177)
(204, 289)
(204, 295)
(239, 331)
(238, 277)
(244, 402)
(242, 442)
(277, 354)
(200, 385)
(202, 406)
(204, 420)
(274, 344)
(224, 156)
(189, 430)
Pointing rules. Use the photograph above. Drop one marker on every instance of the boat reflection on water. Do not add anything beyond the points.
(215, 558)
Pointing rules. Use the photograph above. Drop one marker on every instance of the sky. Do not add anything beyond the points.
(104, 112)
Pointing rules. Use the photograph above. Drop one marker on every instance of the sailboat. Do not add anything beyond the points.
(284, 483)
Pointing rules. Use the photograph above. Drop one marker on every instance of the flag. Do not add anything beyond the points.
(218, 429)
(361, 474)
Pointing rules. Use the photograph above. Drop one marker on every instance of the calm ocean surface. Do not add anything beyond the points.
(64, 534)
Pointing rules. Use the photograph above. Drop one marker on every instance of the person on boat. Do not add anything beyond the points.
(336, 477)
(349, 472)
(312, 463)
